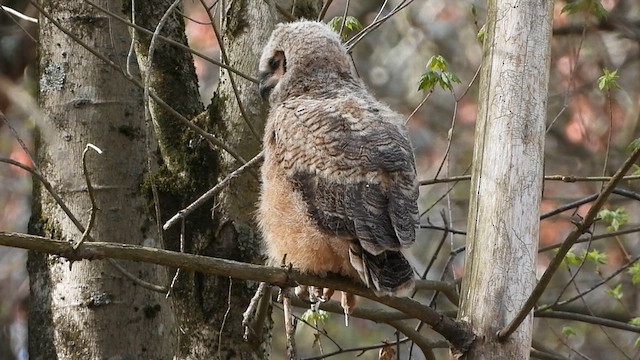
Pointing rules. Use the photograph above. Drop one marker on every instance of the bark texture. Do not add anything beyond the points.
(209, 308)
(507, 176)
(89, 310)
(246, 27)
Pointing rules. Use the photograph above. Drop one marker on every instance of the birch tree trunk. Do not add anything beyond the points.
(507, 176)
(88, 310)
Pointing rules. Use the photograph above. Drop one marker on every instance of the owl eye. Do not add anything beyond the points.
(274, 63)
(278, 62)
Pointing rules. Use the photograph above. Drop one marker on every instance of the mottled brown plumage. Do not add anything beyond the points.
(338, 182)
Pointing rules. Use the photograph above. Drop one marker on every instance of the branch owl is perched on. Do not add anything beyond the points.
(339, 184)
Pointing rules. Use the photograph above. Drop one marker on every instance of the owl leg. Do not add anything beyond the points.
(313, 293)
(348, 302)
(302, 291)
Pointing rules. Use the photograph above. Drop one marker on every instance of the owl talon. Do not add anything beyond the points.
(348, 302)
(302, 292)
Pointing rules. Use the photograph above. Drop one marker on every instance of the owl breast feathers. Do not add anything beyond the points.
(339, 192)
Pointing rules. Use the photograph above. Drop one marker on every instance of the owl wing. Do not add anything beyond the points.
(356, 173)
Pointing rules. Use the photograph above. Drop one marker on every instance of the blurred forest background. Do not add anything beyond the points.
(588, 131)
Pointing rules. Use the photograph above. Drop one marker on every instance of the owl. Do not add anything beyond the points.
(339, 191)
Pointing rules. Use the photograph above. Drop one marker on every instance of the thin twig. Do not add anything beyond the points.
(136, 280)
(182, 244)
(92, 198)
(314, 327)
(446, 193)
(442, 228)
(422, 342)
(587, 319)
(172, 42)
(324, 9)
(562, 340)
(583, 293)
(424, 100)
(232, 81)
(289, 324)
(248, 315)
(374, 25)
(572, 75)
(384, 4)
(52, 192)
(563, 178)
(344, 17)
(546, 352)
(437, 251)
(282, 11)
(134, 39)
(359, 349)
(450, 133)
(594, 238)
(607, 152)
(574, 274)
(211, 193)
(224, 318)
(17, 137)
(18, 14)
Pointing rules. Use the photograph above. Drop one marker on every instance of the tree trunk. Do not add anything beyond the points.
(89, 310)
(208, 308)
(507, 176)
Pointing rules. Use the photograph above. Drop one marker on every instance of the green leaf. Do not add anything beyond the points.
(616, 292)
(615, 219)
(635, 321)
(437, 74)
(637, 343)
(351, 23)
(568, 331)
(633, 145)
(312, 316)
(481, 33)
(571, 258)
(593, 7)
(597, 257)
(634, 271)
(608, 81)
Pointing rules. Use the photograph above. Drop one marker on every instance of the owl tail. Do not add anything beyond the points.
(388, 273)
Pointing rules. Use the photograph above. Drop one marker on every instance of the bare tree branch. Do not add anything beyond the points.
(456, 332)
(588, 319)
(563, 178)
(581, 227)
(211, 193)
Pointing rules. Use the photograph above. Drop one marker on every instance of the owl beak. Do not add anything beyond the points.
(266, 83)
(268, 79)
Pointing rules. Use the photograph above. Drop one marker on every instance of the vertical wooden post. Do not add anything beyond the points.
(507, 175)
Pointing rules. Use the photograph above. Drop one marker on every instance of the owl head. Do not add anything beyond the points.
(302, 57)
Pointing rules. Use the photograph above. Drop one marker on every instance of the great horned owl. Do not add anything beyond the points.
(339, 184)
